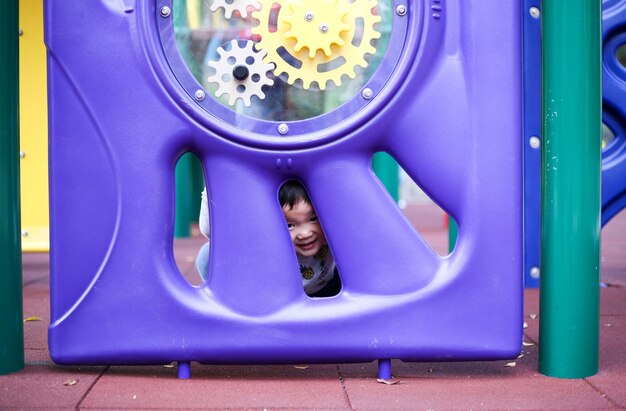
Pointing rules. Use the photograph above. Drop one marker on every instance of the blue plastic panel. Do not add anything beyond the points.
(448, 110)
(613, 108)
(532, 128)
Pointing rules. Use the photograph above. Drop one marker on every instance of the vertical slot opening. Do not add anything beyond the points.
(190, 245)
(316, 264)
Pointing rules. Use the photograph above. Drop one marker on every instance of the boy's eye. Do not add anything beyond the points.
(291, 225)
(313, 219)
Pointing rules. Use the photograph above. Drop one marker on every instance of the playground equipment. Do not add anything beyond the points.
(11, 329)
(531, 141)
(570, 213)
(33, 131)
(613, 116)
(434, 84)
(614, 108)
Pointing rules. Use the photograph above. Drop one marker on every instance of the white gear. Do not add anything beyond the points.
(240, 5)
(240, 72)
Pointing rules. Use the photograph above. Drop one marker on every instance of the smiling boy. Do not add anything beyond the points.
(317, 265)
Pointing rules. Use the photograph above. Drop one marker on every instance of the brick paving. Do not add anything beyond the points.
(464, 385)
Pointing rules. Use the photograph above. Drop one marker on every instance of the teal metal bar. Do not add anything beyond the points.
(570, 205)
(184, 196)
(11, 324)
(453, 233)
(387, 169)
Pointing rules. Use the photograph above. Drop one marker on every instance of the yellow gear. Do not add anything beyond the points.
(316, 24)
(281, 47)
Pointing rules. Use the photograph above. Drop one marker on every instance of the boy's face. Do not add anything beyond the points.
(306, 232)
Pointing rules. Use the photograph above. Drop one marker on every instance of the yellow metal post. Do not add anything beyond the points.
(33, 128)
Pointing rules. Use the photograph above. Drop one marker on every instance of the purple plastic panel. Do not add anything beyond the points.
(450, 113)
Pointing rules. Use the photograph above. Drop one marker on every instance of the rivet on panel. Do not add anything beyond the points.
(199, 95)
(22, 154)
(534, 272)
(24, 233)
(367, 93)
(283, 128)
(165, 11)
(534, 142)
(279, 163)
(289, 163)
(534, 12)
(401, 10)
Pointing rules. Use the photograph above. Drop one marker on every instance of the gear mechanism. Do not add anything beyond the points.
(230, 6)
(240, 72)
(316, 25)
(284, 37)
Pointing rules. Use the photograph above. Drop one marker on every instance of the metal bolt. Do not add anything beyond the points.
(534, 142)
(283, 128)
(22, 154)
(165, 11)
(367, 93)
(534, 272)
(199, 95)
(308, 16)
(534, 12)
(20, 32)
(401, 10)
(24, 233)
(323, 28)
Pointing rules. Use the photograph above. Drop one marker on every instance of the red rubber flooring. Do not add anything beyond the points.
(442, 386)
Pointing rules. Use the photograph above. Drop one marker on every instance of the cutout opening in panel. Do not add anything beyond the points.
(620, 55)
(607, 135)
(426, 217)
(316, 265)
(191, 227)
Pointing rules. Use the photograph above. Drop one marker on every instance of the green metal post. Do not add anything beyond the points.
(570, 205)
(197, 185)
(11, 324)
(387, 169)
(453, 233)
(184, 196)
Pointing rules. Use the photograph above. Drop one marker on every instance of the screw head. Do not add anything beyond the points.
(24, 233)
(534, 12)
(22, 154)
(199, 95)
(534, 142)
(367, 93)
(283, 128)
(324, 28)
(165, 11)
(401, 10)
(534, 272)
(308, 16)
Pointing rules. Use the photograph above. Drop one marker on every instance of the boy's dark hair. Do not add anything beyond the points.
(291, 193)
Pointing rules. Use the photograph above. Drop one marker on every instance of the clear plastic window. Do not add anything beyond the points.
(282, 60)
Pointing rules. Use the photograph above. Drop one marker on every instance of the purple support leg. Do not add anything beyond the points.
(184, 370)
(384, 369)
